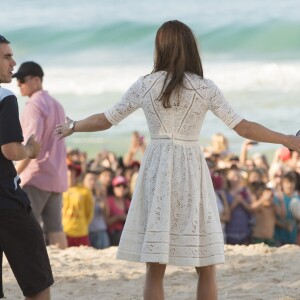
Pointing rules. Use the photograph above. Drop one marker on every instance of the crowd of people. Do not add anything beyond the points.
(253, 194)
(96, 203)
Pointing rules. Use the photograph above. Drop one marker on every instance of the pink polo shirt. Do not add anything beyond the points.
(49, 171)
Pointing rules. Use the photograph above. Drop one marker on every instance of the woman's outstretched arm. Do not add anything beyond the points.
(259, 133)
(97, 122)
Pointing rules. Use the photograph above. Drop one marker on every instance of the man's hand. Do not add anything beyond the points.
(32, 147)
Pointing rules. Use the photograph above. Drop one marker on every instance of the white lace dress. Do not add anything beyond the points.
(173, 216)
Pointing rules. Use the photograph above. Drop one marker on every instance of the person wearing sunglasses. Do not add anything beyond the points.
(44, 179)
(21, 237)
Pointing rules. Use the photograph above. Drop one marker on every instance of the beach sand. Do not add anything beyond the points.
(250, 272)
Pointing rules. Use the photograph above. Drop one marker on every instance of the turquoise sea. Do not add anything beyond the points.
(93, 50)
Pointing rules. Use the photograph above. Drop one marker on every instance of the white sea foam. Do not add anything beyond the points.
(256, 76)
(82, 91)
(230, 76)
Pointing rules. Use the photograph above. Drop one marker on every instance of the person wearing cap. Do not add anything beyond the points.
(43, 179)
(116, 209)
(78, 208)
(21, 238)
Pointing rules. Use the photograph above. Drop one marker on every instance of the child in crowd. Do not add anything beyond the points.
(260, 161)
(254, 175)
(286, 225)
(116, 210)
(238, 229)
(78, 209)
(103, 188)
(98, 229)
(264, 212)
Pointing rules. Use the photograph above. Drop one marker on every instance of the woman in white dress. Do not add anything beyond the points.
(173, 217)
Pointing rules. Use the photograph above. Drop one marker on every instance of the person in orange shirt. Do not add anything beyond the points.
(78, 209)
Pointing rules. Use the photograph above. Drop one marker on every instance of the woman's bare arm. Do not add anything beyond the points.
(257, 132)
(97, 122)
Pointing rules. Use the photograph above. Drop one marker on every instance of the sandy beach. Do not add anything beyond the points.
(254, 272)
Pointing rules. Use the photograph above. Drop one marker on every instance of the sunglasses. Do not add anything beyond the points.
(23, 80)
(120, 185)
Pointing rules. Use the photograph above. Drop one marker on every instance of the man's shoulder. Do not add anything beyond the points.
(44, 101)
(4, 93)
(40, 96)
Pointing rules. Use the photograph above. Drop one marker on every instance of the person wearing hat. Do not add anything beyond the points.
(43, 179)
(116, 209)
(21, 238)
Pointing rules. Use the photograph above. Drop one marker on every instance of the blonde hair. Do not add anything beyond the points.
(274, 168)
(219, 143)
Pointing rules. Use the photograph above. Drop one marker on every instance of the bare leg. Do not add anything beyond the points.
(154, 289)
(43, 295)
(207, 283)
(58, 239)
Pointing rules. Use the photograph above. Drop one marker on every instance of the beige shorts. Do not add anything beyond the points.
(47, 208)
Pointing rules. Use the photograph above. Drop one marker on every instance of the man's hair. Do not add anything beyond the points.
(3, 40)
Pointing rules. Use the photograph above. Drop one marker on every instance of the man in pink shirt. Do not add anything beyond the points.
(45, 178)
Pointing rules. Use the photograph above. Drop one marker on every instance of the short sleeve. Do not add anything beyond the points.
(221, 108)
(130, 102)
(32, 121)
(10, 127)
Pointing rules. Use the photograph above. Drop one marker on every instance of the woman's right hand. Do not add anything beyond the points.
(64, 130)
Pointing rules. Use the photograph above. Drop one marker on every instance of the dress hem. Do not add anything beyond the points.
(193, 262)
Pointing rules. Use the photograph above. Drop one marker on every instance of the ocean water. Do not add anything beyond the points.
(93, 50)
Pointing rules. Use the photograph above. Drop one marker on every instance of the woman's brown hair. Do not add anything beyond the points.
(176, 52)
